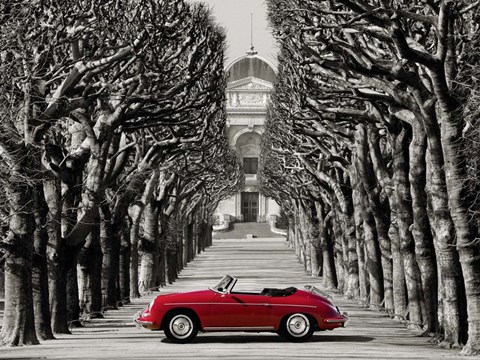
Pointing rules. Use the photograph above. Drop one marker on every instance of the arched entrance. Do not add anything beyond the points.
(250, 82)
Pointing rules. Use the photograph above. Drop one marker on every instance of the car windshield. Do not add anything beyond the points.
(223, 285)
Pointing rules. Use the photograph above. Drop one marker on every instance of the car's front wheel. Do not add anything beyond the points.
(181, 327)
(297, 327)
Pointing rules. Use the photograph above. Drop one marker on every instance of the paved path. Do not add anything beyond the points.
(257, 263)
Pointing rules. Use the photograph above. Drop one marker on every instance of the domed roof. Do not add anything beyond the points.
(251, 65)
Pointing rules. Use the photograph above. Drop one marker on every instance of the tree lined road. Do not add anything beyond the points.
(257, 263)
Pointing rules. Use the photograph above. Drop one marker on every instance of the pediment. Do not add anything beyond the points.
(250, 84)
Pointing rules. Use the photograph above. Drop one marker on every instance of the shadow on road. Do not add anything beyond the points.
(239, 339)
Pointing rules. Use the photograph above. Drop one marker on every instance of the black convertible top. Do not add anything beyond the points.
(279, 292)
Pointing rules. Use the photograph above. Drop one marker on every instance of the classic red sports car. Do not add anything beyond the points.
(294, 314)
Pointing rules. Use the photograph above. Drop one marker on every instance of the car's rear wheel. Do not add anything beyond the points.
(297, 327)
(181, 327)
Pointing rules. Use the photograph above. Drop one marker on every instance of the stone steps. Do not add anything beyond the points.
(242, 230)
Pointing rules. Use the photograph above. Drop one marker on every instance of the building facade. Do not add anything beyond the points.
(250, 82)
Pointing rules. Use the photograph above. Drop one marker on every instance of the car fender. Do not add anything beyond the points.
(178, 310)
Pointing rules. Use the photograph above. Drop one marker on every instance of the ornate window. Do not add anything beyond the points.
(250, 165)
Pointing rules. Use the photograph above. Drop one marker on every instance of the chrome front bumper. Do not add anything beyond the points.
(141, 323)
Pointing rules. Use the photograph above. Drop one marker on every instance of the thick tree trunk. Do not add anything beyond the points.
(451, 278)
(149, 248)
(124, 265)
(350, 240)
(2, 286)
(176, 237)
(291, 234)
(306, 233)
(134, 241)
(465, 226)
(66, 254)
(73, 298)
(399, 285)
(363, 283)
(110, 233)
(340, 265)
(171, 262)
(191, 242)
(162, 255)
(398, 275)
(405, 220)
(202, 236)
(421, 229)
(373, 256)
(135, 212)
(379, 211)
(90, 273)
(315, 241)
(330, 280)
(56, 255)
(39, 270)
(18, 322)
(209, 234)
(294, 239)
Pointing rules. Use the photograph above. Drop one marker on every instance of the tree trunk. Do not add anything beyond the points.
(383, 177)
(134, 240)
(291, 234)
(405, 220)
(162, 254)
(18, 326)
(421, 229)
(363, 283)
(177, 239)
(373, 257)
(56, 255)
(73, 298)
(399, 285)
(149, 248)
(124, 265)
(298, 244)
(465, 226)
(202, 236)
(329, 273)
(305, 230)
(209, 234)
(135, 212)
(39, 270)
(190, 242)
(450, 272)
(379, 211)
(110, 245)
(90, 273)
(2, 287)
(315, 240)
(338, 251)
(68, 253)
(349, 243)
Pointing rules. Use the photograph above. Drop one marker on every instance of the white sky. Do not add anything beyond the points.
(234, 16)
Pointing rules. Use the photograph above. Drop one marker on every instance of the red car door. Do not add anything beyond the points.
(240, 310)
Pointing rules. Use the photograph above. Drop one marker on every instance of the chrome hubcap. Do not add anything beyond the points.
(181, 326)
(298, 325)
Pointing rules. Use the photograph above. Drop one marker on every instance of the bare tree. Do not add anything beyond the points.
(393, 65)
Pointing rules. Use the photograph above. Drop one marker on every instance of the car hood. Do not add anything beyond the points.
(193, 295)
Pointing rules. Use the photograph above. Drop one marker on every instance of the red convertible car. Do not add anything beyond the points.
(294, 314)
